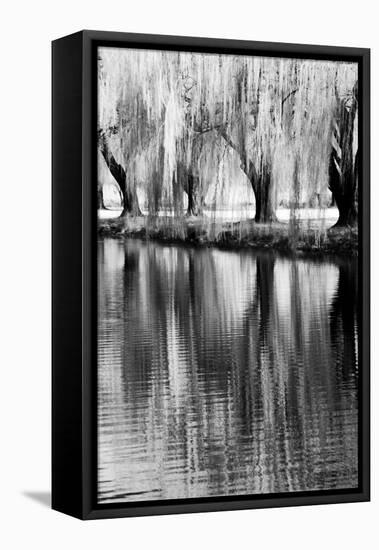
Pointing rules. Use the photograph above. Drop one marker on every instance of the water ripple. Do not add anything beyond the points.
(224, 373)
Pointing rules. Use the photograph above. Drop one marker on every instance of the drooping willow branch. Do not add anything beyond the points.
(289, 95)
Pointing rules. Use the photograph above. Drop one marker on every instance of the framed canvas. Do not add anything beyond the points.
(210, 275)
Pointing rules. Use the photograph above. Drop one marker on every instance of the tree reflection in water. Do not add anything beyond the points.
(224, 373)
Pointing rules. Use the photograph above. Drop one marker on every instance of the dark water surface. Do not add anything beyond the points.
(224, 372)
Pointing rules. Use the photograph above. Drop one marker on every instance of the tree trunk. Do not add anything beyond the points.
(129, 195)
(264, 209)
(343, 192)
(348, 215)
(195, 206)
(261, 184)
(187, 181)
(178, 187)
(263, 192)
(191, 179)
(343, 168)
(154, 191)
(100, 198)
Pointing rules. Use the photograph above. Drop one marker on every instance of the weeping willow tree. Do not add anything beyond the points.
(164, 117)
(281, 127)
(343, 166)
(125, 131)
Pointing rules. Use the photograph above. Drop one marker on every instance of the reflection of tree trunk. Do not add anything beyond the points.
(265, 287)
(191, 281)
(343, 316)
(343, 168)
(129, 194)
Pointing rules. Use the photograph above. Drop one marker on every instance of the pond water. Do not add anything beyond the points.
(224, 372)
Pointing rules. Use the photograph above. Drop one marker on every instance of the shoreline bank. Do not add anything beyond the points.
(295, 238)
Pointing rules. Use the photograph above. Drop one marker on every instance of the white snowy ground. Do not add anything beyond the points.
(320, 217)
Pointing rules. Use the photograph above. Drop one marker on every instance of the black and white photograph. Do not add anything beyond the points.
(189, 221)
(228, 325)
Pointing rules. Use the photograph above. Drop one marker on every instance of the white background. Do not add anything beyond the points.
(27, 27)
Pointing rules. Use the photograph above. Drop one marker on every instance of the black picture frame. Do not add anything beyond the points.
(74, 445)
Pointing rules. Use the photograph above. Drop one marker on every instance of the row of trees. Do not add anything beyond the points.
(166, 119)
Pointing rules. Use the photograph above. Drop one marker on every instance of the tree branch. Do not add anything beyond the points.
(115, 168)
(228, 139)
(289, 95)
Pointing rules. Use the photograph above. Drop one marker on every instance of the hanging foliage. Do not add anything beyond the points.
(182, 124)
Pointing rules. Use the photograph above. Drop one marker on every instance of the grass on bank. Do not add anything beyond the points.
(293, 236)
